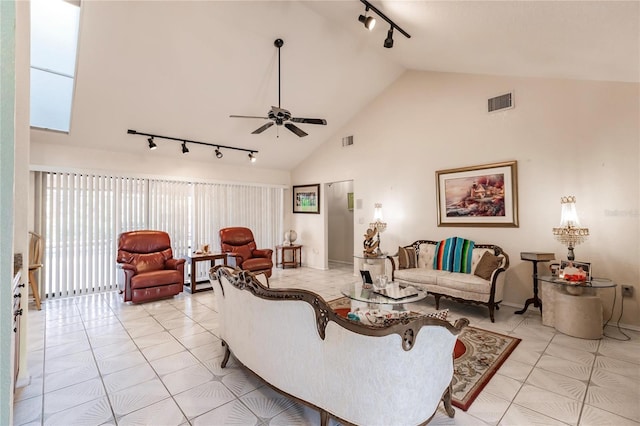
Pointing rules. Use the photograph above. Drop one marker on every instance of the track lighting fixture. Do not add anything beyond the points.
(368, 21)
(388, 42)
(218, 153)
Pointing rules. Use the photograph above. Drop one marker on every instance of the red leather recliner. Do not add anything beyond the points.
(238, 242)
(150, 271)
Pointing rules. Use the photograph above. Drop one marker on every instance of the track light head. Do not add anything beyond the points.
(184, 147)
(152, 144)
(368, 21)
(388, 42)
(252, 157)
(218, 153)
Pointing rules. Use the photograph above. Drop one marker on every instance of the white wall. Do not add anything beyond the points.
(22, 203)
(7, 149)
(48, 152)
(569, 138)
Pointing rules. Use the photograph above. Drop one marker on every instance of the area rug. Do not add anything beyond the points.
(478, 354)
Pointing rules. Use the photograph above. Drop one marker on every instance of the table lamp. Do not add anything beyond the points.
(570, 233)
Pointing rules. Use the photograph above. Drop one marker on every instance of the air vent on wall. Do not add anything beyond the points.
(501, 102)
(347, 140)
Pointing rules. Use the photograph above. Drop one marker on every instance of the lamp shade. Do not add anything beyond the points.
(570, 233)
(569, 214)
(377, 212)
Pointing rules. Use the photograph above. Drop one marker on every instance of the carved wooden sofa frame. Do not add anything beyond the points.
(296, 343)
(496, 282)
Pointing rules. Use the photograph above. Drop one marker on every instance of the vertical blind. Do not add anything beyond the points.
(81, 215)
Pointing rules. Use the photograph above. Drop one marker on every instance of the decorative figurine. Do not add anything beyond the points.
(371, 243)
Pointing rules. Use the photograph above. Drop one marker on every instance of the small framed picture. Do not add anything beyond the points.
(581, 266)
(306, 198)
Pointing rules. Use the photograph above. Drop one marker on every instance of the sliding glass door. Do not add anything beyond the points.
(81, 215)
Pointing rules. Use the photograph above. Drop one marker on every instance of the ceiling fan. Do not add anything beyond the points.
(279, 115)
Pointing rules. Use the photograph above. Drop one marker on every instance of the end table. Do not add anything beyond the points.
(535, 258)
(296, 256)
(195, 258)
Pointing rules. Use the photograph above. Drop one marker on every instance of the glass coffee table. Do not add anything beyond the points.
(577, 288)
(393, 295)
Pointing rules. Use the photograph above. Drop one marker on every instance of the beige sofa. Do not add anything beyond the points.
(459, 286)
(358, 374)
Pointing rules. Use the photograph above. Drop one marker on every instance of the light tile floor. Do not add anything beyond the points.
(94, 360)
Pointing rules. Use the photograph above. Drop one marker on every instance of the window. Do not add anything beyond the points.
(54, 42)
(81, 215)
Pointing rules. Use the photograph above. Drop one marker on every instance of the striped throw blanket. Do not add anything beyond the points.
(454, 254)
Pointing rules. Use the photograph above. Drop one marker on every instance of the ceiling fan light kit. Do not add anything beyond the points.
(388, 42)
(280, 116)
(218, 153)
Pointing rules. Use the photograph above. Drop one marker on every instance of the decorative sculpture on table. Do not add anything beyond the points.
(370, 243)
(371, 247)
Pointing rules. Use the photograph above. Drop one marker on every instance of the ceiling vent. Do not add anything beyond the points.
(500, 102)
(347, 140)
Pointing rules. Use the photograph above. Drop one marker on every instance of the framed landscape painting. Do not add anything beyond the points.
(485, 195)
(306, 198)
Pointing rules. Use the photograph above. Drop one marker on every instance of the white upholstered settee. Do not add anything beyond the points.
(357, 374)
(483, 283)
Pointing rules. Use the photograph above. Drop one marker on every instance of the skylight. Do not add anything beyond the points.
(54, 42)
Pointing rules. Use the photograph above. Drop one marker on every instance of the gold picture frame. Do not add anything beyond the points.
(480, 196)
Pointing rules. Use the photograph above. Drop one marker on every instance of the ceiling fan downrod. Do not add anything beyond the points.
(278, 43)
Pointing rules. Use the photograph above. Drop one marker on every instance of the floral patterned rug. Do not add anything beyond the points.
(477, 356)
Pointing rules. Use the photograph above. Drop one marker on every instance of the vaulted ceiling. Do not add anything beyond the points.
(180, 68)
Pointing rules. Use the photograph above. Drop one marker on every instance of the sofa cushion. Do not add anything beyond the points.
(487, 264)
(156, 279)
(146, 262)
(244, 252)
(442, 315)
(419, 275)
(257, 264)
(468, 283)
(426, 253)
(406, 257)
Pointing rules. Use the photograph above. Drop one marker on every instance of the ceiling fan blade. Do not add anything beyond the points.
(309, 120)
(248, 116)
(298, 131)
(262, 128)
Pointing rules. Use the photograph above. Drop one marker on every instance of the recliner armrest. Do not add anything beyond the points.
(174, 263)
(128, 267)
(267, 253)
